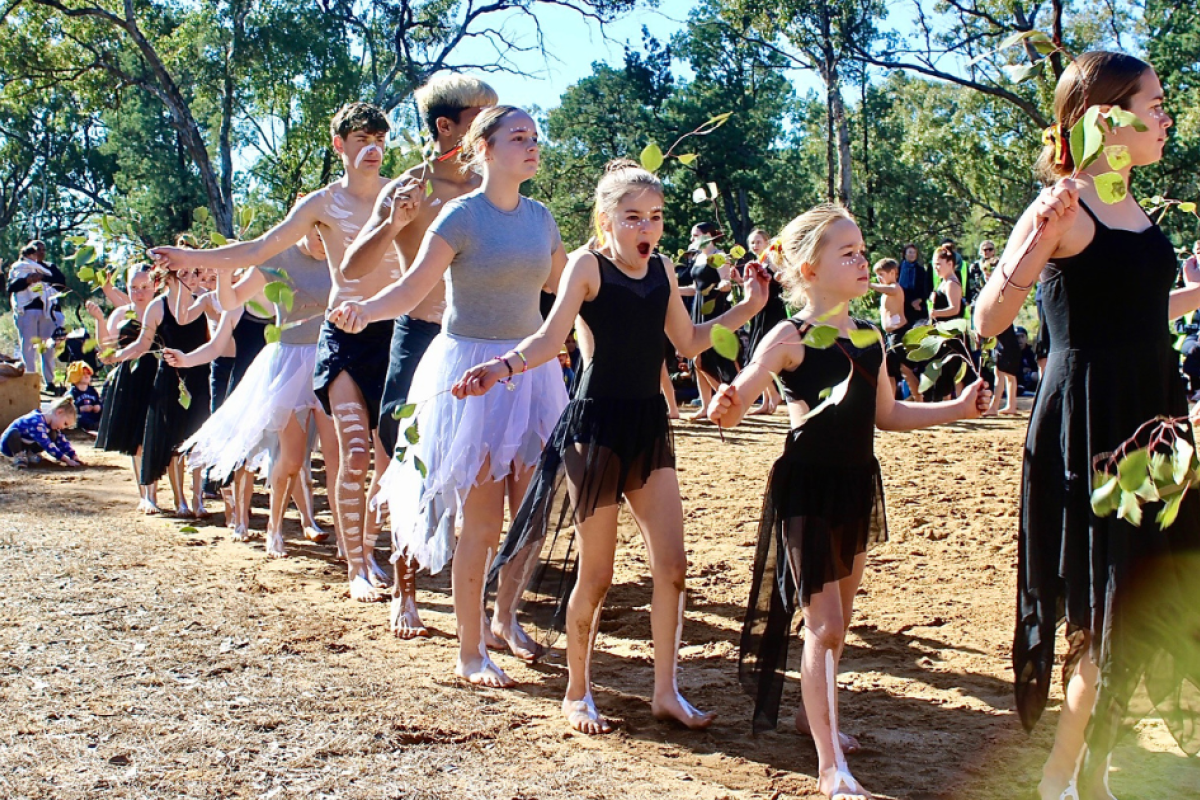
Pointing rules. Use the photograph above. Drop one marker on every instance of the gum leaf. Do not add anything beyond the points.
(724, 342)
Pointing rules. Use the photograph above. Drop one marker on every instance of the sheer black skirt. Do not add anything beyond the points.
(600, 449)
(817, 518)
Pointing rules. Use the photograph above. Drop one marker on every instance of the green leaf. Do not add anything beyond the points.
(1170, 510)
(1132, 469)
(87, 274)
(1105, 497)
(1181, 459)
(1087, 140)
(200, 215)
(1118, 116)
(1160, 469)
(988, 344)
(89, 345)
(652, 157)
(218, 239)
(717, 260)
(1022, 72)
(1117, 156)
(709, 307)
(420, 465)
(77, 240)
(718, 120)
(686, 158)
(189, 529)
(864, 337)
(1110, 187)
(400, 453)
(736, 252)
(272, 333)
(1015, 39)
(411, 434)
(836, 395)
(185, 397)
(1130, 509)
(405, 411)
(820, 337)
(130, 313)
(955, 327)
(962, 373)
(108, 352)
(246, 217)
(724, 342)
(699, 195)
(828, 390)
(84, 256)
(428, 188)
(1188, 207)
(917, 334)
(258, 308)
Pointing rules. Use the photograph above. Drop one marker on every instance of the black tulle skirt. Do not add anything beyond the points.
(168, 423)
(817, 518)
(600, 449)
(125, 400)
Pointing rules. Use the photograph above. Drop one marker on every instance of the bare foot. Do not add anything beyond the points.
(673, 414)
(314, 534)
(199, 511)
(482, 672)
(148, 508)
(183, 512)
(375, 574)
(516, 641)
(405, 619)
(362, 590)
(275, 546)
(765, 410)
(699, 416)
(583, 716)
(1012, 412)
(847, 742)
(240, 533)
(674, 707)
(837, 784)
(988, 413)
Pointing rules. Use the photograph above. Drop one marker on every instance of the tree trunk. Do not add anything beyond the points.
(845, 179)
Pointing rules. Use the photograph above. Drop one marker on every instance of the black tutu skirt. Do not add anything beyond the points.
(168, 423)
(125, 400)
(600, 449)
(817, 518)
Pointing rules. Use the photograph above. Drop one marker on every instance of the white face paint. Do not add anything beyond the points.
(363, 154)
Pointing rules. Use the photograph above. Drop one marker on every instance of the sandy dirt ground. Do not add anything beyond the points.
(140, 661)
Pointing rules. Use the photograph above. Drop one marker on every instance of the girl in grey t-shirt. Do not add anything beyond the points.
(497, 251)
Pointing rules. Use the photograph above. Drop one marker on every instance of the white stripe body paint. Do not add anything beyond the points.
(371, 148)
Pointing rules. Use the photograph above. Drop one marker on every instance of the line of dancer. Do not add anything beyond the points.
(428, 297)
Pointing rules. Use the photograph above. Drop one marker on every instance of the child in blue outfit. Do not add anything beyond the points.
(41, 432)
(87, 399)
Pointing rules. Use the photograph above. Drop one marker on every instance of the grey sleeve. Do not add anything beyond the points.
(555, 237)
(454, 225)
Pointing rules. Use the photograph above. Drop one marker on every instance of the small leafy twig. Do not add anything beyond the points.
(1157, 464)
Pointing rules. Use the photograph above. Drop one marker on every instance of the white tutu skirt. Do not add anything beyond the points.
(510, 424)
(244, 432)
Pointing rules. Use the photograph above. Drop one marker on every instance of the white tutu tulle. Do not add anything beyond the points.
(457, 436)
(245, 430)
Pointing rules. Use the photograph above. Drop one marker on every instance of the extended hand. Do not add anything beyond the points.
(725, 408)
(405, 202)
(757, 283)
(975, 399)
(479, 379)
(350, 317)
(176, 358)
(173, 258)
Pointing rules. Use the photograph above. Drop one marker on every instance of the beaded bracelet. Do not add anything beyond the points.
(504, 360)
(524, 361)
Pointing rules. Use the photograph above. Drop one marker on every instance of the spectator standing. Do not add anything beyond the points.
(917, 282)
(32, 303)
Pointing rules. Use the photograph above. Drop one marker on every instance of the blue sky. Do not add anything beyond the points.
(573, 43)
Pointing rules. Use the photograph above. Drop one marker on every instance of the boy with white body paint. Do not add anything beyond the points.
(447, 104)
(350, 367)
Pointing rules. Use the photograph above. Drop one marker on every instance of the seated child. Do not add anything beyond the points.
(87, 399)
(41, 432)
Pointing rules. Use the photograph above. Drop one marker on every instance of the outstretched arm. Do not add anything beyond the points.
(691, 339)
(210, 350)
(580, 280)
(247, 254)
(232, 295)
(150, 322)
(781, 350)
(395, 208)
(899, 415)
(890, 289)
(402, 296)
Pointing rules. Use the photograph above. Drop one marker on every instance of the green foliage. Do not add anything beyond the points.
(1157, 465)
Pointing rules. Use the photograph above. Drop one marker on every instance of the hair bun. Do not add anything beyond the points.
(618, 164)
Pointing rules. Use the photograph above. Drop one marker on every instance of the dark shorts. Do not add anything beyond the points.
(363, 356)
(410, 339)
